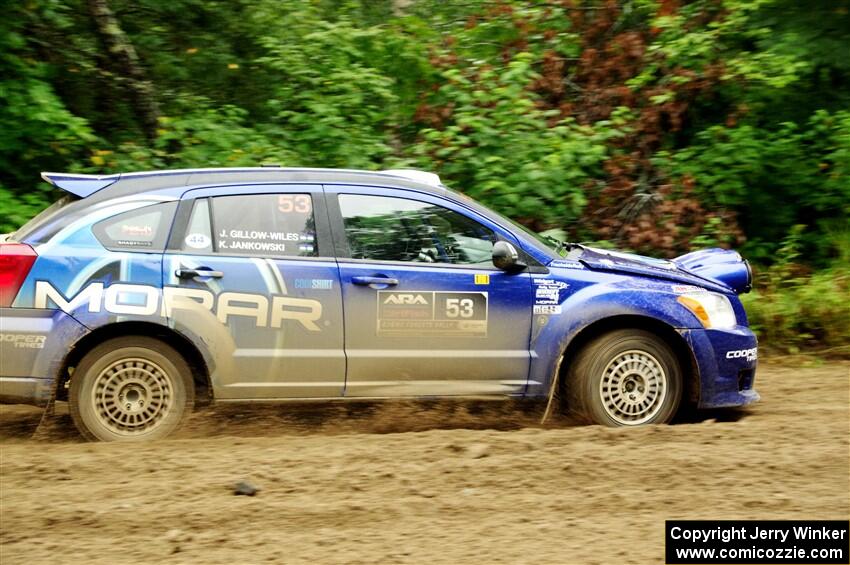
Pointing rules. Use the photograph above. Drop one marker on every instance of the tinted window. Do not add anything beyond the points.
(198, 233)
(143, 229)
(398, 229)
(269, 225)
(40, 219)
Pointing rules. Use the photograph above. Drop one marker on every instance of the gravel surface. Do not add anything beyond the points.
(420, 483)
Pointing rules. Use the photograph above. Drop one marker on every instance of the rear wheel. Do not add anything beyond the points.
(130, 389)
(625, 378)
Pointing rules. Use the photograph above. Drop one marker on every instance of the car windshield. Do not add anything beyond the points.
(543, 242)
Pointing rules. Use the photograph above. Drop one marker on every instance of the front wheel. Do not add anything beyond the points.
(625, 378)
(130, 388)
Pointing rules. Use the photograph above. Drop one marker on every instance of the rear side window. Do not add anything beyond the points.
(264, 225)
(199, 233)
(143, 229)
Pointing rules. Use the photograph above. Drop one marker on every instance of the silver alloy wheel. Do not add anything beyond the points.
(633, 387)
(132, 396)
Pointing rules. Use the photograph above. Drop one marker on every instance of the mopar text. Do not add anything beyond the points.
(145, 300)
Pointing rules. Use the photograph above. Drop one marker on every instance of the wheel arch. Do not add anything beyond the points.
(683, 352)
(181, 344)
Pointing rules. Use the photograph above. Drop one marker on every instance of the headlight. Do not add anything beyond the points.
(712, 309)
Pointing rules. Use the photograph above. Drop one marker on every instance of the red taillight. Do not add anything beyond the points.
(16, 260)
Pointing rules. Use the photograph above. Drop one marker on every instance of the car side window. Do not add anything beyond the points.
(384, 228)
(199, 232)
(143, 229)
(267, 225)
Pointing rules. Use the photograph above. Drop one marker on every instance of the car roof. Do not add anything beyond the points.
(104, 187)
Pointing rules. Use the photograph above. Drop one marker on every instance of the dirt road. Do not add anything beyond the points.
(417, 484)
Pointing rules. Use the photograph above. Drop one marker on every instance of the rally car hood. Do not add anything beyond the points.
(716, 269)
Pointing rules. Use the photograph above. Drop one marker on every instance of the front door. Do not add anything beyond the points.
(426, 313)
(250, 277)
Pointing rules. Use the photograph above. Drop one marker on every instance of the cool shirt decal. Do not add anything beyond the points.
(143, 300)
(748, 354)
(426, 313)
(315, 284)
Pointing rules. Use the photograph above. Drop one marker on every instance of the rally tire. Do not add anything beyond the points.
(130, 389)
(626, 377)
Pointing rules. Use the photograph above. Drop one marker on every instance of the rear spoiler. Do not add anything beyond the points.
(81, 186)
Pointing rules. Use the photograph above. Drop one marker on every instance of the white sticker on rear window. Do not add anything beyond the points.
(198, 241)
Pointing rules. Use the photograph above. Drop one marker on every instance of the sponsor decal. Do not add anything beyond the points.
(314, 284)
(748, 354)
(686, 289)
(198, 241)
(547, 309)
(129, 230)
(426, 313)
(547, 291)
(144, 300)
(132, 243)
(24, 341)
(482, 279)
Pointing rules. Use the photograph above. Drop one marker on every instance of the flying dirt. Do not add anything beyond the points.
(420, 482)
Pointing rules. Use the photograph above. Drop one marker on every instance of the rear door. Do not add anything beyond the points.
(426, 312)
(250, 273)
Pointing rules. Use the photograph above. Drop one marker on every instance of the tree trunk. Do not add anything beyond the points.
(123, 55)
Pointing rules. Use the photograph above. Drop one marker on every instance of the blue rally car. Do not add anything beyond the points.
(139, 293)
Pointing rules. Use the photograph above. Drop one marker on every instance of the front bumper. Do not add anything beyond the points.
(727, 361)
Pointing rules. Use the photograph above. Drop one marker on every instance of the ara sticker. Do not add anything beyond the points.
(198, 241)
(547, 291)
(427, 313)
(482, 279)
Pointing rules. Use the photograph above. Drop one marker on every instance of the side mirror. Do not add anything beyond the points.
(506, 258)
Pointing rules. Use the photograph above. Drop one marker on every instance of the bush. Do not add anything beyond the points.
(793, 310)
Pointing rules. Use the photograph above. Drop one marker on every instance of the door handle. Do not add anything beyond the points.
(374, 280)
(193, 273)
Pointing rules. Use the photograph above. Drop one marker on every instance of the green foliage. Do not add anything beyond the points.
(793, 309)
(36, 127)
(200, 137)
(499, 148)
(16, 209)
(706, 123)
(775, 178)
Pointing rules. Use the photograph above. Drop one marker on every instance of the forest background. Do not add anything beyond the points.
(656, 126)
